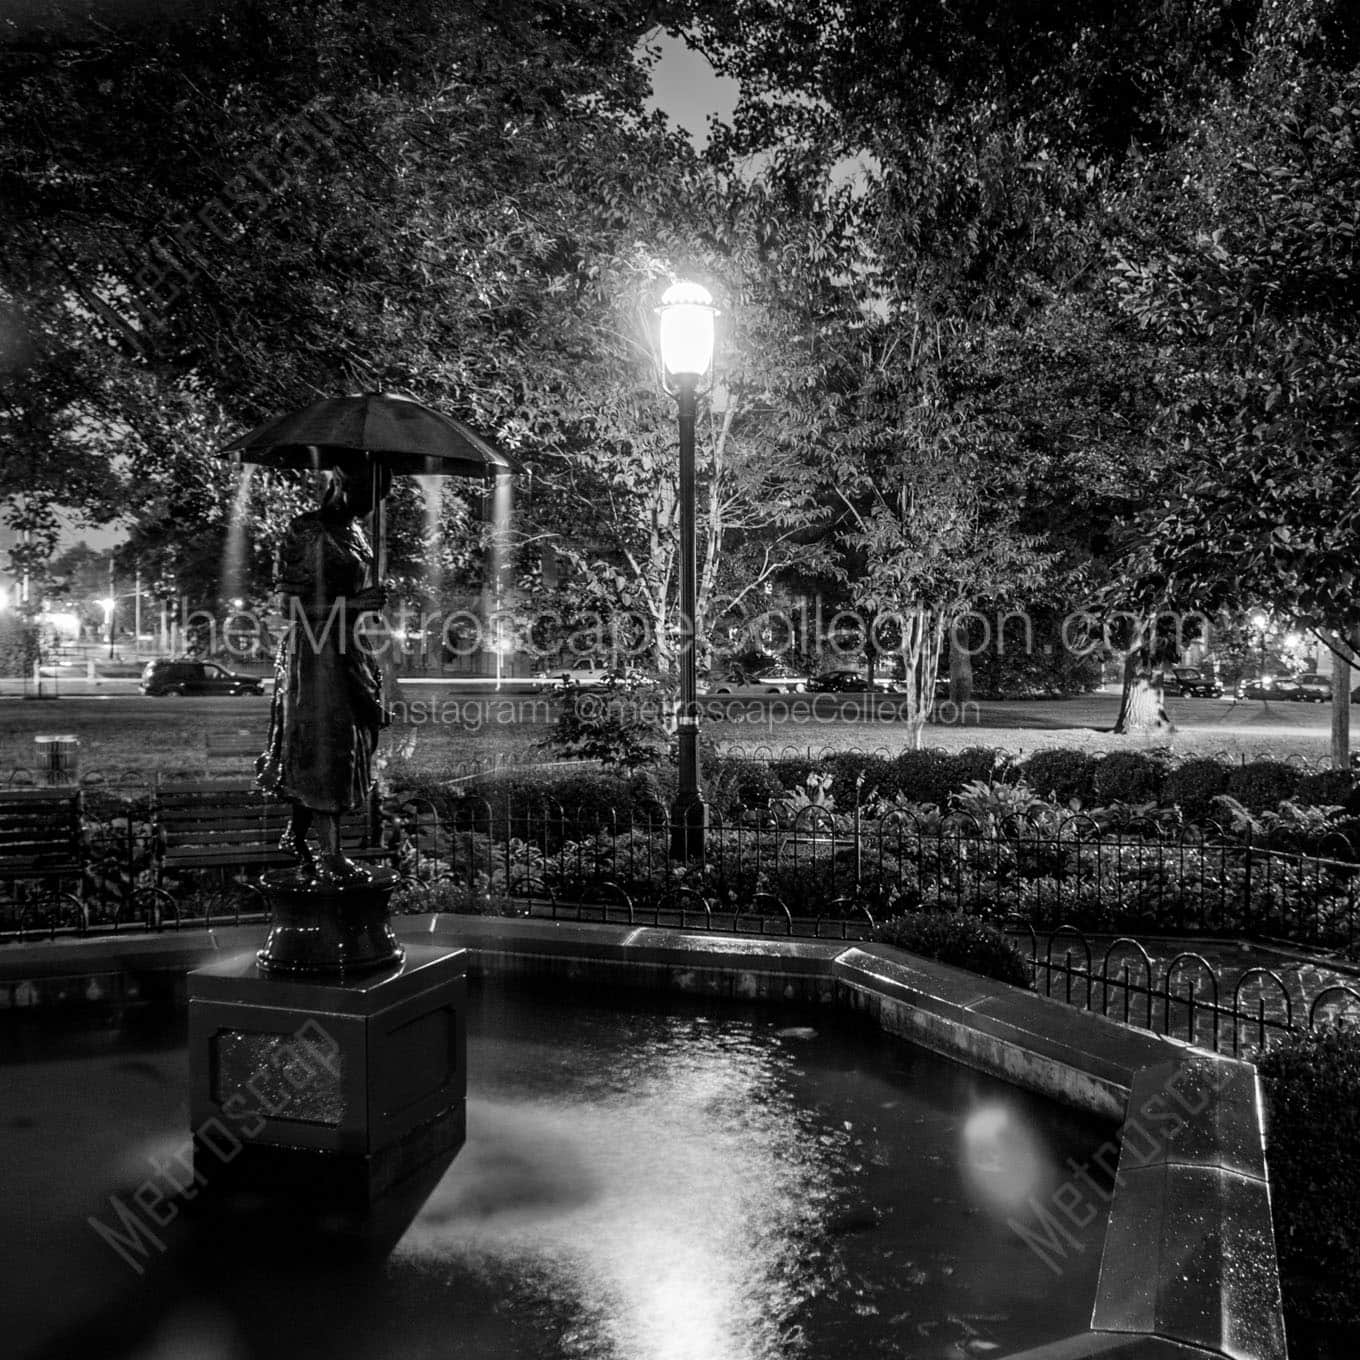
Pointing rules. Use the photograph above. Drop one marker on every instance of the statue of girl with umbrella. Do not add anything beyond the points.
(328, 707)
(328, 704)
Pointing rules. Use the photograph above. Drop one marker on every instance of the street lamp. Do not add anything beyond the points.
(1260, 622)
(687, 314)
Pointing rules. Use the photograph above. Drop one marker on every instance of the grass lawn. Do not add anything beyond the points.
(1249, 730)
(124, 739)
(131, 737)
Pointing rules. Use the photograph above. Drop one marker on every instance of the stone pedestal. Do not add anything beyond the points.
(333, 1089)
(329, 929)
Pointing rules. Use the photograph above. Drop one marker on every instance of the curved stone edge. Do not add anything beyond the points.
(1188, 1266)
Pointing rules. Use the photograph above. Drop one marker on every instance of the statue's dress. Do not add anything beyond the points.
(327, 707)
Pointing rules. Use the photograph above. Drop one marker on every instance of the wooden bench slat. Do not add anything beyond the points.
(40, 835)
(179, 826)
(217, 786)
(16, 797)
(35, 835)
(220, 824)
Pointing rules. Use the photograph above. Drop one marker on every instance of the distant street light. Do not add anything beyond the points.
(1265, 630)
(108, 604)
(687, 314)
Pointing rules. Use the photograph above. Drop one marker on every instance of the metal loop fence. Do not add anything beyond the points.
(1184, 995)
(808, 871)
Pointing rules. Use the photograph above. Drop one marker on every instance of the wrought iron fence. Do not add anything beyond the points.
(1144, 877)
(815, 874)
(1240, 1012)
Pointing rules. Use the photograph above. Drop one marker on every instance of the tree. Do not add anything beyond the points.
(482, 223)
(59, 432)
(840, 73)
(922, 532)
(1241, 261)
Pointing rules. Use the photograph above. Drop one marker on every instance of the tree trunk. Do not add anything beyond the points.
(1142, 708)
(960, 666)
(922, 638)
(1341, 715)
(1341, 704)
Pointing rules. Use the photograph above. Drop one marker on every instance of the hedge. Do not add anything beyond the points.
(1128, 777)
(1061, 775)
(1312, 1087)
(1194, 785)
(1263, 785)
(958, 939)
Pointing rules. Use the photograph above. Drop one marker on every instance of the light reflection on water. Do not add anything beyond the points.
(693, 1188)
(686, 1183)
(664, 1208)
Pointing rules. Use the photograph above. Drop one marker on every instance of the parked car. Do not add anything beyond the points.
(589, 674)
(1313, 688)
(167, 678)
(1188, 681)
(848, 680)
(1268, 687)
(769, 675)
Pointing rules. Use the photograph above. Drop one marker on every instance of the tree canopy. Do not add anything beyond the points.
(1079, 317)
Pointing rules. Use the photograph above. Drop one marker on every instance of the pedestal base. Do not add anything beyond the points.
(330, 1090)
(329, 929)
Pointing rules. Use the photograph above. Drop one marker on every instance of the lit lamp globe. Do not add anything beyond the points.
(107, 604)
(687, 314)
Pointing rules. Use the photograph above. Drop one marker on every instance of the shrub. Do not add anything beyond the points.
(997, 807)
(1312, 1087)
(1194, 784)
(617, 726)
(593, 799)
(518, 802)
(979, 764)
(518, 794)
(19, 646)
(792, 774)
(653, 791)
(1327, 788)
(1127, 777)
(927, 777)
(958, 939)
(1263, 784)
(1061, 775)
(880, 774)
(736, 784)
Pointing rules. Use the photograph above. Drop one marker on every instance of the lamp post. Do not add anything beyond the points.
(687, 314)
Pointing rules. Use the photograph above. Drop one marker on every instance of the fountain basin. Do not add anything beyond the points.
(1155, 1230)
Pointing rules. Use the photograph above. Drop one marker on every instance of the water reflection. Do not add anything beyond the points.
(1000, 1159)
(665, 1214)
(696, 1187)
(677, 1184)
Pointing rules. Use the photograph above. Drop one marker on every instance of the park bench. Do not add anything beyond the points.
(41, 844)
(213, 824)
(237, 750)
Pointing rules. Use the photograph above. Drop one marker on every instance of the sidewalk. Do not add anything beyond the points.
(75, 684)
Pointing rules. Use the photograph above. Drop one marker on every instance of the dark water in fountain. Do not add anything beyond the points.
(700, 1182)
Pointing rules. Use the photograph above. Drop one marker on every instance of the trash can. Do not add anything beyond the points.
(58, 758)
